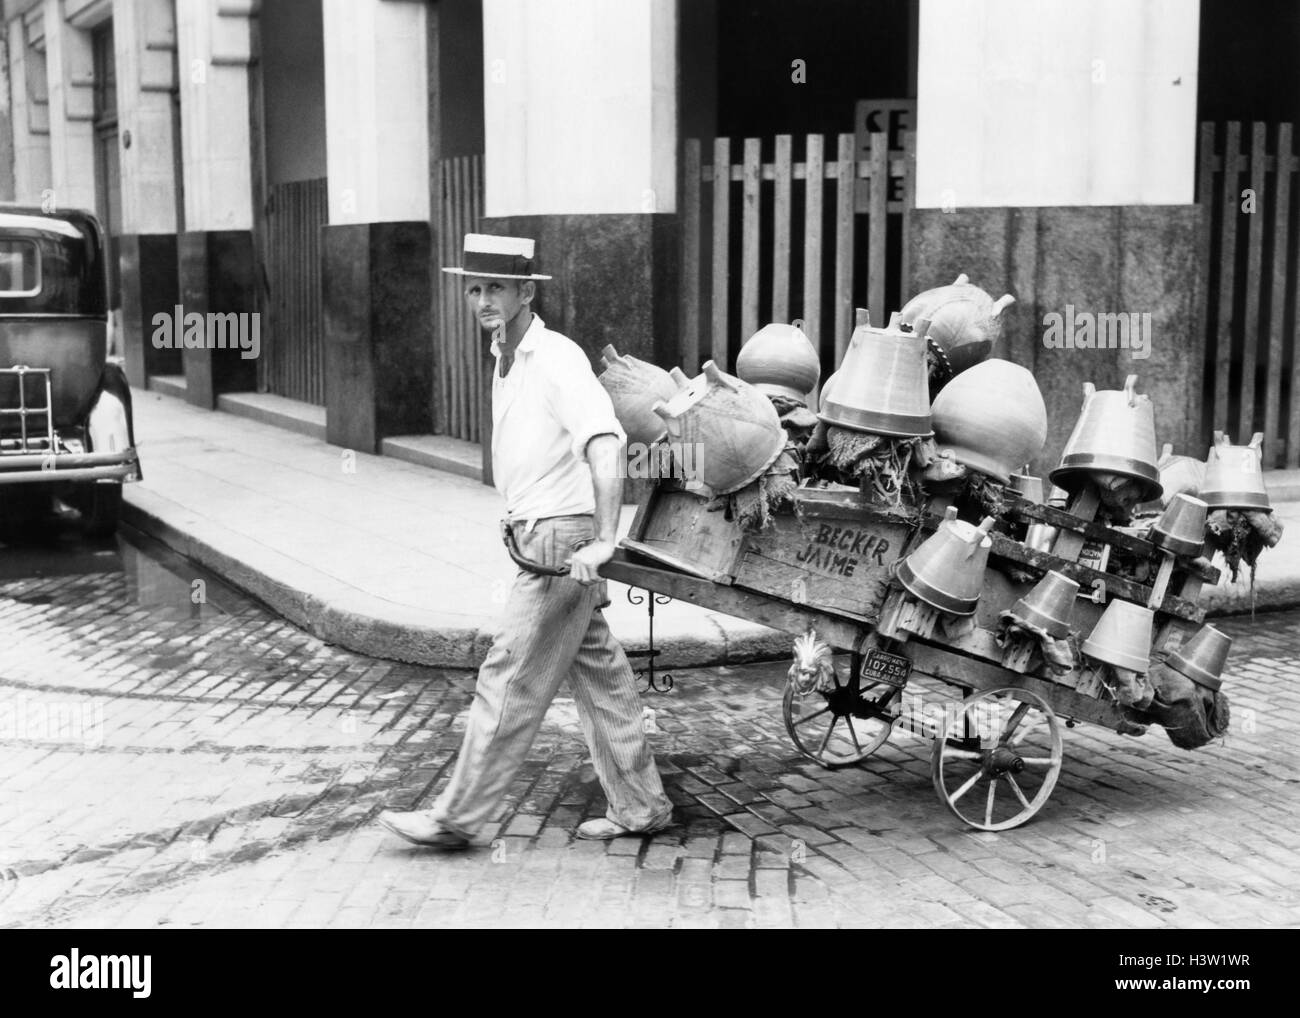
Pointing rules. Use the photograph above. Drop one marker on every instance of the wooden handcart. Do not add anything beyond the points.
(829, 564)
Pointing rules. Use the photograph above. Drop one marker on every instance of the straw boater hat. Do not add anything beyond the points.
(497, 257)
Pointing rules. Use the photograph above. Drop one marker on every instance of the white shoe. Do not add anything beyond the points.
(421, 829)
(604, 829)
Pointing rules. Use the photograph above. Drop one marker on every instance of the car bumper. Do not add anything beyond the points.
(42, 468)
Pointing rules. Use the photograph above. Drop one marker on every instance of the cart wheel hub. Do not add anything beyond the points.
(1002, 760)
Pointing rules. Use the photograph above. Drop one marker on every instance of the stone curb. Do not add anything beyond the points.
(367, 624)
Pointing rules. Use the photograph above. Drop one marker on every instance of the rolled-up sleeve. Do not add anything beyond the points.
(578, 400)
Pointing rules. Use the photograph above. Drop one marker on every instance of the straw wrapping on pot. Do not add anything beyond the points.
(1190, 714)
(883, 465)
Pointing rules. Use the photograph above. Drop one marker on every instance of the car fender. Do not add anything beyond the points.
(109, 426)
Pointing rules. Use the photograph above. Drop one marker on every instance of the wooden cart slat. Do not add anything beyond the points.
(839, 631)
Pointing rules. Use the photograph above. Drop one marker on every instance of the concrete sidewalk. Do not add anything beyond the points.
(400, 561)
(377, 555)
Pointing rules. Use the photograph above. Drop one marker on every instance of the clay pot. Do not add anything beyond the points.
(779, 360)
(1180, 474)
(1122, 636)
(1234, 476)
(992, 417)
(1114, 437)
(1049, 606)
(634, 387)
(1028, 487)
(947, 570)
(1202, 657)
(826, 389)
(965, 321)
(1181, 527)
(734, 428)
(881, 386)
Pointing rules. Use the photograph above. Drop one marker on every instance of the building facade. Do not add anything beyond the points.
(316, 161)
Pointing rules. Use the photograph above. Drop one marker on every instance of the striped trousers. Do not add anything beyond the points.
(553, 629)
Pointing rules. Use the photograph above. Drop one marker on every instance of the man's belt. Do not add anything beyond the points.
(527, 564)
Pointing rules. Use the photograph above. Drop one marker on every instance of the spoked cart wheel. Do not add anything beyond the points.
(844, 725)
(998, 761)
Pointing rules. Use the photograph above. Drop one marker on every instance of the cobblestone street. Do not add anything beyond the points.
(171, 763)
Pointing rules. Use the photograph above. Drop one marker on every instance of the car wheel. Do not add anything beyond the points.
(100, 509)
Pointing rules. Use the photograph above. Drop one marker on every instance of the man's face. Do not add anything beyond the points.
(496, 302)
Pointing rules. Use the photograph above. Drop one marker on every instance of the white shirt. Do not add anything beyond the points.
(544, 412)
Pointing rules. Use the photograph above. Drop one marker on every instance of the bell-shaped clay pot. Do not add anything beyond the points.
(992, 417)
(965, 321)
(1048, 606)
(1114, 437)
(780, 361)
(1122, 636)
(1202, 657)
(634, 387)
(882, 385)
(735, 431)
(1181, 527)
(1234, 477)
(947, 570)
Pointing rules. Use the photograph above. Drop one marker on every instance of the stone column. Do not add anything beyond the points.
(70, 70)
(377, 250)
(144, 38)
(581, 146)
(216, 257)
(30, 109)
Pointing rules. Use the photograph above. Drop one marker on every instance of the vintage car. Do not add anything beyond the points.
(66, 428)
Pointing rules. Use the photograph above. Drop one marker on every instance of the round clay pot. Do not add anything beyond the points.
(634, 387)
(965, 321)
(1180, 475)
(914, 309)
(780, 361)
(992, 417)
(734, 428)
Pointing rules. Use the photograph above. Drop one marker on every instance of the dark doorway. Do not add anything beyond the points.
(295, 204)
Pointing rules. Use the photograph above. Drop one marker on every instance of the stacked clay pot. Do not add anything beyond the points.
(634, 387)
(881, 386)
(991, 418)
(734, 427)
(778, 360)
(1113, 444)
(965, 321)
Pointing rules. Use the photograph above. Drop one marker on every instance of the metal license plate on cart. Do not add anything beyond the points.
(891, 669)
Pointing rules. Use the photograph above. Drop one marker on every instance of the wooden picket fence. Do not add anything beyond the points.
(1251, 284)
(723, 209)
(458, 402)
